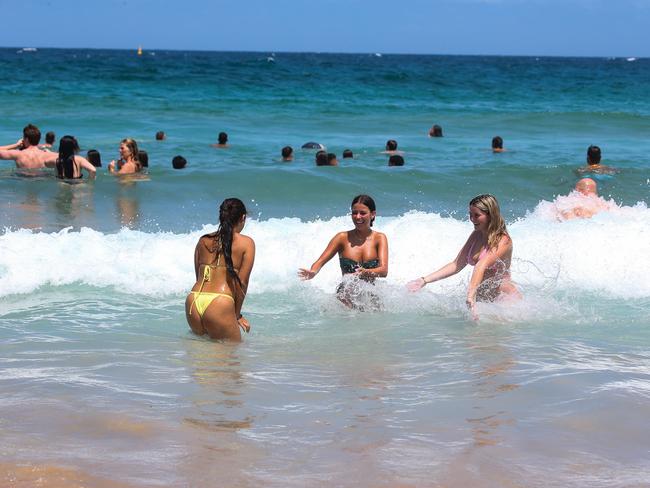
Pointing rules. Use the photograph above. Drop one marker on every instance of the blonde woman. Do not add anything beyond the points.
(129, 162)
(488, 249)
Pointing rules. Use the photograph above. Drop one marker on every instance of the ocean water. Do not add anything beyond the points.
(104, 385)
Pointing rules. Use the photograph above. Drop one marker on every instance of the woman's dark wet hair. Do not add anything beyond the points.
(68, 147)
(391, 145)
(593, 155)
(94, 158)
(231, 212)
(497, 142)
(367, 201)
(143, 157)
(179, 162)
(436, 131)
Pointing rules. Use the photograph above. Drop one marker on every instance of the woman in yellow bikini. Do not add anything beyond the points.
(223, 262)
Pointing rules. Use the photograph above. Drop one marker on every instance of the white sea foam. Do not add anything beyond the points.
(603, 255)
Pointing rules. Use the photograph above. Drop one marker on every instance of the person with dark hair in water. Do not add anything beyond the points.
(488, 249)
(68, 165)
(222, 141)
(593, 163)
(435, 131)
(94, 158)
(179, 162)
(50, 137)
(497, 144)
(143, 157)
(396, 160)
(362, 251)
(391, 146)
(348, 154)
(160, 136)
(223, 262)
(287, 153)
(321, 158)
(331, 159)
(26, 152)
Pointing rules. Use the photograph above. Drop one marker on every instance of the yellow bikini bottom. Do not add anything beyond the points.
(203, 299)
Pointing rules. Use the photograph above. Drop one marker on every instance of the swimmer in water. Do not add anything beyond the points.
(582, 203)
(129, 161)
(593, 164)
(68, 163)
(488, 249)
(362, 251)
(223, 262)
(497, 144)
(25, 152)
(222, 141)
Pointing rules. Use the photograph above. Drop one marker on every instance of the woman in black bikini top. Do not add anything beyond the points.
(362, 251)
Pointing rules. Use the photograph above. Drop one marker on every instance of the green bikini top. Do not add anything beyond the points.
(351, 266)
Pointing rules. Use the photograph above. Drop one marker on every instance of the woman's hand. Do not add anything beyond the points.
(415, 285)
(111, 166)
(243, 323)
(306, 274)
(471, 305)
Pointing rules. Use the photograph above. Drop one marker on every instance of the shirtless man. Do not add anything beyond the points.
(593, 163)
(585, 204)
(26, 152)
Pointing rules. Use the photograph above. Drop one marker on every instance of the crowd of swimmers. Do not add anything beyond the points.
(29, 154)
(223, 260)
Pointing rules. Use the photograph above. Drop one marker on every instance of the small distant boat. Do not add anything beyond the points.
(631, 59)
(139, 50)
(27, 50)
(378, 55)
(270, 59)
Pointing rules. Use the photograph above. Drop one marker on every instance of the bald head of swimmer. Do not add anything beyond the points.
(587, 187)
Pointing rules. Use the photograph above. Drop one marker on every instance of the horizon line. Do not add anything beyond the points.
(324, 52)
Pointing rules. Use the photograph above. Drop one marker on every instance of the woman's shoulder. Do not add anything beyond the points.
(243, 240)
(379, 235)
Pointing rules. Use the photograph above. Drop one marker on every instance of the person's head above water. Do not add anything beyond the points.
(160, 136)
(321, 158)
(94, 158)
(587, 186)
(129, 148)
(143, 157)
(497, 143)
(593, 155)
(435, 131)
(31, 135)
(363, 205)
(222, 138)
(287, 153)
(494, 226)
(232, 217)
(348, 154)
(68, 147)
(331, 159)
(50, 137)
(179, 162)
(391, 145)
(396, 160)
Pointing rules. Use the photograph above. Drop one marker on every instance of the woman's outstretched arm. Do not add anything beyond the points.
(329, 252)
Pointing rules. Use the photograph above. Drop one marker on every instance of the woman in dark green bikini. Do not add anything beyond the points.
(362, 251)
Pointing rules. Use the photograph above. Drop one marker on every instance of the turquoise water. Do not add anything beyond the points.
(100, 373)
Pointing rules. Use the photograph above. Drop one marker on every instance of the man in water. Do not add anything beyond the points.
(26, 152)
(583, 203)
(593, 163)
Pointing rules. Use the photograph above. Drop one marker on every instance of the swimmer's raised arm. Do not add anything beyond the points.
(448, 269)
(332, 248)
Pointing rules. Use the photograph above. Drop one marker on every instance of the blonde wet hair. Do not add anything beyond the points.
(133, 149)
(497, 227)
